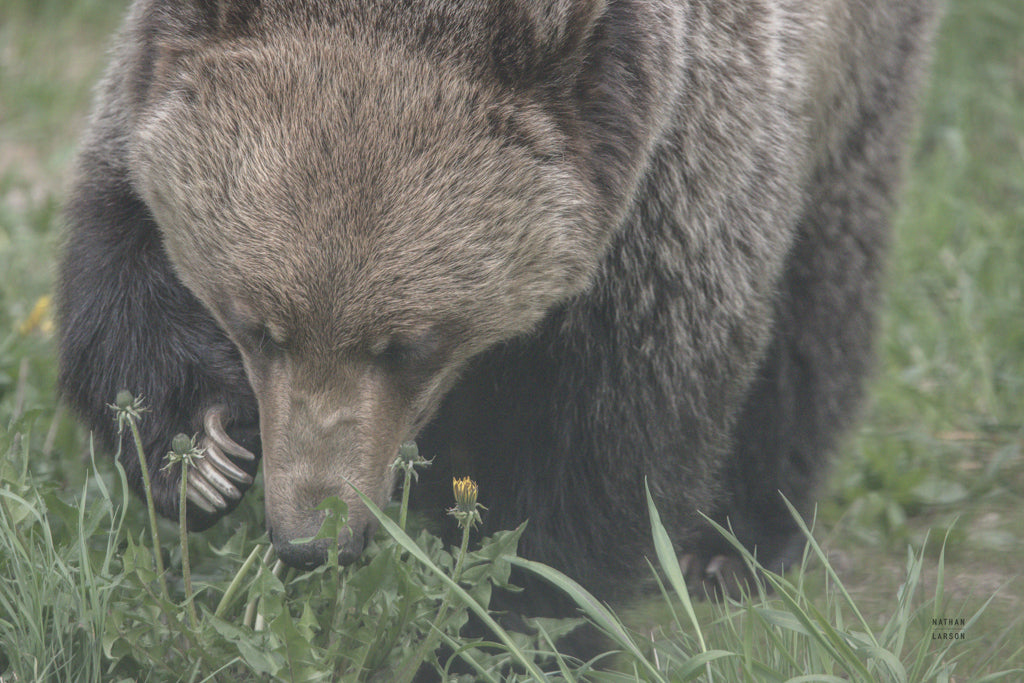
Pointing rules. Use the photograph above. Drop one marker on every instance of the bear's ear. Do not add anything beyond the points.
(227, 16)
(533, 41)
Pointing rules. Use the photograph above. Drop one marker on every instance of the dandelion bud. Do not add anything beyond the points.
(408, 451)
(124, 399)
(181, 444)
(408, 459)
(465, 491)
(466, 510)
(184, 450)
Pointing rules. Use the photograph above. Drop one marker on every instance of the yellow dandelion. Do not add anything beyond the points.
(39, 318)
(465, 491)
(466, 510)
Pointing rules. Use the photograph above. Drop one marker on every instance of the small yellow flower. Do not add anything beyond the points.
(465, 491)
(39, 318)
(466, 509)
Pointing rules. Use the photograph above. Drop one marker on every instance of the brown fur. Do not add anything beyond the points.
(570, 245)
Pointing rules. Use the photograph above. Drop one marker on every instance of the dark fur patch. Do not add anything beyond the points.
(147, 332)
(230, 18)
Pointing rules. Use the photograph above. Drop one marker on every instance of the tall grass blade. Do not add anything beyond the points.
(600, 615)
(670, 565)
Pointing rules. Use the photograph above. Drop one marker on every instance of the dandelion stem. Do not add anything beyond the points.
(412, 664)
(408, 460)
(463, 549)
(148, 488)
(186, 569)
(404, 510)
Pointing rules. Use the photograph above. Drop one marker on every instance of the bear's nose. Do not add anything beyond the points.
(303, 556)
(312, 554)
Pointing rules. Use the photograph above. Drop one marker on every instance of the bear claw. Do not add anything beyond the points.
(719, 576)
(202, 493)
(225, 469)
(214, 425)
(211, 483)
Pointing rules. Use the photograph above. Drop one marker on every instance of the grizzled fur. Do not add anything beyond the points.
(568, 245)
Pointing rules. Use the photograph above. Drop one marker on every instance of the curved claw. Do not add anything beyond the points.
(202, 493)
(223, 466)
(714, 577)
(213, 422)
(208, 487)
(199, 500)
(215, 478)
(215, 482)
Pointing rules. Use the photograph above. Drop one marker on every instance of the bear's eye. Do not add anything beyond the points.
(258, 339)
(401, 354)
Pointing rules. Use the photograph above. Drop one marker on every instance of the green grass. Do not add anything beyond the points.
(942, 447)
(939, 455)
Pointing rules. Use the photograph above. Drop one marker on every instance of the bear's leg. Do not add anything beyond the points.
(809, 386)
(127, 322)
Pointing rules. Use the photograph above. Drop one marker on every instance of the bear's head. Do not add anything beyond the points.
(361, 219)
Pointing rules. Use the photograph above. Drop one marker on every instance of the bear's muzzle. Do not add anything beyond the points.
(311, 554)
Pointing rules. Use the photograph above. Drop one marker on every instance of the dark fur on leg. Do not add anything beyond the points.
(128, 323)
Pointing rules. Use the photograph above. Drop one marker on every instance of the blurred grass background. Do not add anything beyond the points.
(941, 445)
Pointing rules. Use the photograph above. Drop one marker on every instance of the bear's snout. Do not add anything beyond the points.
(322, 438)
(311, 554)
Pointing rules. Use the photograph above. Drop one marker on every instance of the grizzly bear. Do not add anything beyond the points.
(569, 246)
